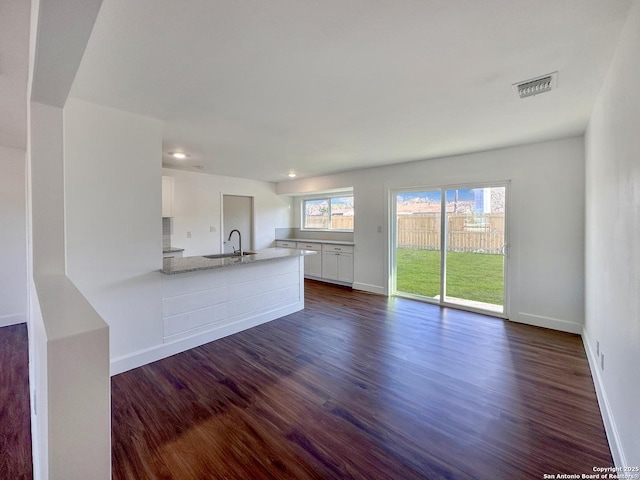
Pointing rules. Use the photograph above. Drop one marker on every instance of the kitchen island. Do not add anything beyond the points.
(171, 266)
(205, 299)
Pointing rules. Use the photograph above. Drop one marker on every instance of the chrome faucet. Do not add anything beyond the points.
(239, 251)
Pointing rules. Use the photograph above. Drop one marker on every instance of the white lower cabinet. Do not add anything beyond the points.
(285, 244)
(332, 262)
(337, 263)
(312, 263)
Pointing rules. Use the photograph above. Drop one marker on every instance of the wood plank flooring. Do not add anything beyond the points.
(15, 418)
(367, 387)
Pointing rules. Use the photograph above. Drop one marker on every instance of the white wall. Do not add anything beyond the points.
(113, 219)
(47, 189)
(68, 341)
(613, 245)
(114, 225)
(78, 404)
(546, 211)
(13, 237)
(46, 235)
(197, 207)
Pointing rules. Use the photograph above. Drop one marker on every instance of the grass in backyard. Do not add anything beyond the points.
(472, 276)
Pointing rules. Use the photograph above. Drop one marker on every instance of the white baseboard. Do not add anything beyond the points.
(607, 415)
(14, 319)
(547, 322)
(171, 347)
(365, 287)
(328, 280)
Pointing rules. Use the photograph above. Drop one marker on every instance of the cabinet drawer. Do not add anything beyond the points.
(337, 248)
(309, 246)
(285, 244)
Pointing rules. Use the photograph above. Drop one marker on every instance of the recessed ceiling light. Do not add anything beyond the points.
(292, 175)
(178, 155)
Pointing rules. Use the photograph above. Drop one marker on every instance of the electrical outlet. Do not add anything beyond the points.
(379, 229)
(188, 234)
(597, 348)
(602, 362)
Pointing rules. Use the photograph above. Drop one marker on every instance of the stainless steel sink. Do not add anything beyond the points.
(228, 255)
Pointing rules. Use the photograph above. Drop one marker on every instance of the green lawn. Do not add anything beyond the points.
(472, 276)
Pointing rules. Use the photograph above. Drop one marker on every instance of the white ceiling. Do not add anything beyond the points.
(14, 70)
(256, 88)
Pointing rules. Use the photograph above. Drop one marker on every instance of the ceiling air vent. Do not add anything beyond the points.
(536, 86)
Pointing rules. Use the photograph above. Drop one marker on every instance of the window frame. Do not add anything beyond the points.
(328, 197)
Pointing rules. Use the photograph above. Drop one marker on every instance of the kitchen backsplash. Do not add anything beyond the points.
(293, 233)
(166, 232)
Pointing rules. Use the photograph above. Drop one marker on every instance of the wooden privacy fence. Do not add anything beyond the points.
(338, 222)
(481, 233)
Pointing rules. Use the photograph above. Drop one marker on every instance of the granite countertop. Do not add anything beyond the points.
(176, 265)
(172, 250)
(330, 242)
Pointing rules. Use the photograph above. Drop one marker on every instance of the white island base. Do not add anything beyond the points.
(224, 297)
(202, 306)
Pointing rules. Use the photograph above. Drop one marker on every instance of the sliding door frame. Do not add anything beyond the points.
(393, 241)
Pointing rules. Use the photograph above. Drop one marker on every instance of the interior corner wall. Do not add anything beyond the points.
(47, 189)
(113, 219)
(46, 235)
(197, 208)
(546, 221)
(59, 324)
(13, 237)
(612, 254)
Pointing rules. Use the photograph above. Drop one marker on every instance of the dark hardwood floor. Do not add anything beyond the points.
(15, 418)
(363, 386)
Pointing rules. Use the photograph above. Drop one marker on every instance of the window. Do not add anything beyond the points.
(328, 213)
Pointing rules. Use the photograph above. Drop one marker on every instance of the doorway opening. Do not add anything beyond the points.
(237, 214)
(449, 246)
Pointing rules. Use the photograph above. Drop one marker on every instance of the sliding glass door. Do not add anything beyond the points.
(417, 253)
(450, 245)
(474, 263)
